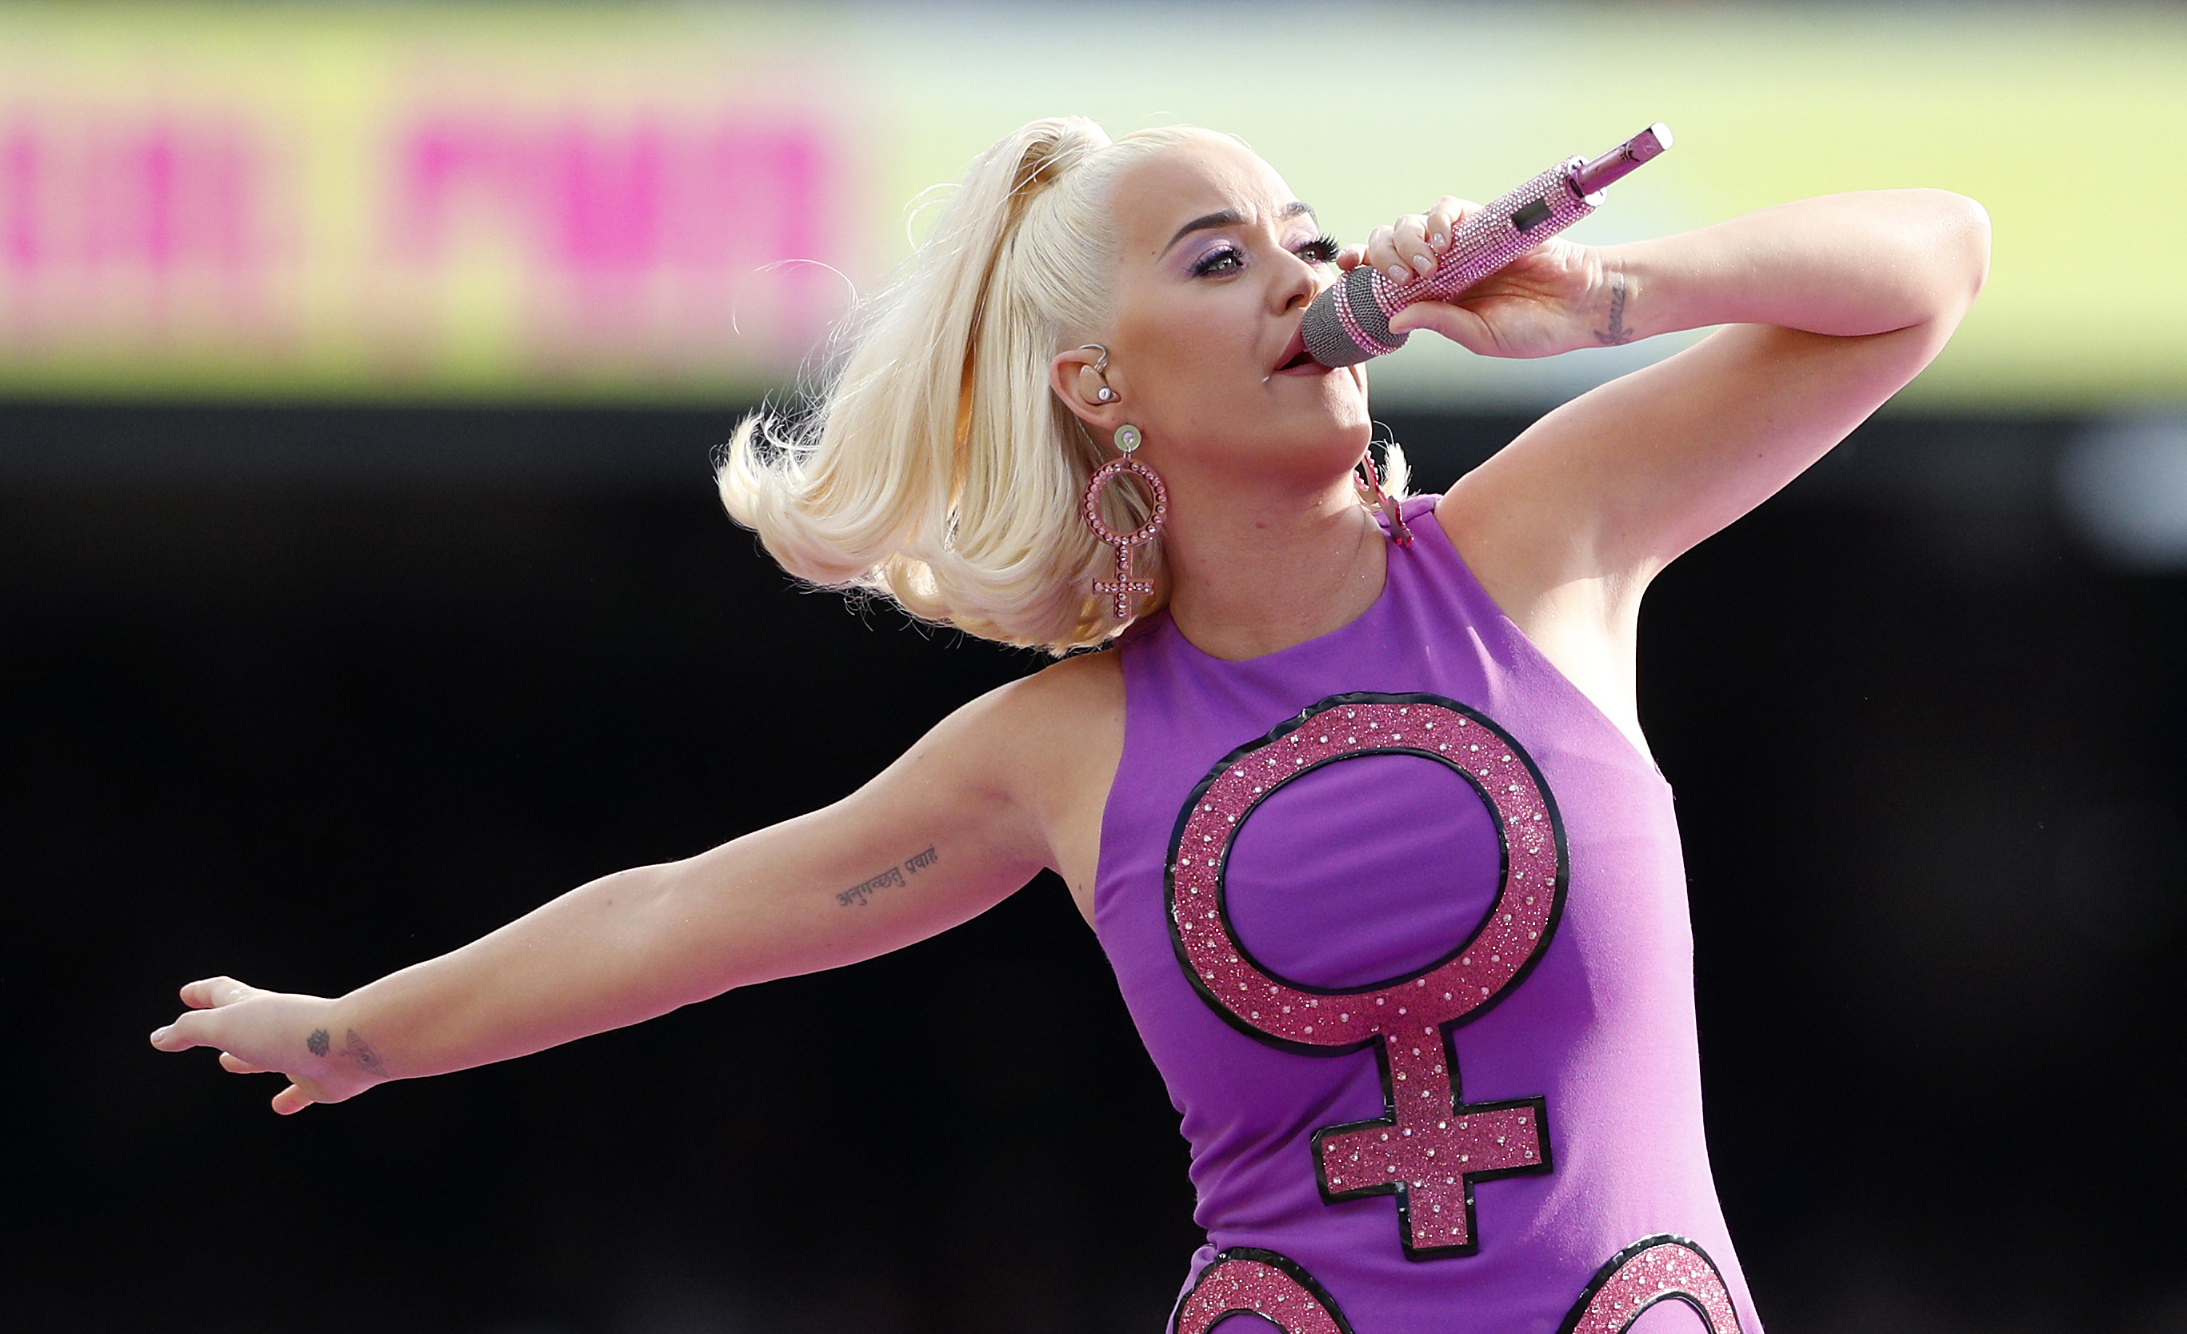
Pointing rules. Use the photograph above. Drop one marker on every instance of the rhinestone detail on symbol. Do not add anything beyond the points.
(1654, 1269)
(1125, 589)
(1431, 1146)
(1249, 1280)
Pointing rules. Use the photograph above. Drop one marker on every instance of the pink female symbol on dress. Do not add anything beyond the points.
(1431, 1146)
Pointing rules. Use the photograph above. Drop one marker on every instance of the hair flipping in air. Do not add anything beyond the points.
(937, 467)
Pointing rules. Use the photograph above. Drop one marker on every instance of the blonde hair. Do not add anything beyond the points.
(936, 467)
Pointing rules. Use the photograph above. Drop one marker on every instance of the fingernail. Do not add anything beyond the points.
(159, 1033)
(1398, 272)
(1424, 263)
(1437, 240)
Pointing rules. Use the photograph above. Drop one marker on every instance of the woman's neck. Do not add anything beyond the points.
(1254, 578)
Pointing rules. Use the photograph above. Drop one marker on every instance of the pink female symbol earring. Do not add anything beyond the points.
(1124, 588)
(1400, 531)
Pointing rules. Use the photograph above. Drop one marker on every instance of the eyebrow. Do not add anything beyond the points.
(1228, 218)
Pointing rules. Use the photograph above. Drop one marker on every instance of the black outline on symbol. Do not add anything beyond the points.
(1447, 1028)
(1403, 1190)
(1291, 1268)
(1609, 1270)
(1222, 871)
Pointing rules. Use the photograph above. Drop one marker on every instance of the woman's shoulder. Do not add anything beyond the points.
(1076, 698)
(1062, 708)
(1060, 732)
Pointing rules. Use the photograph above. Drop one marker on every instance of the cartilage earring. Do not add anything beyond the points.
(1124, 588)
(1100, 367)
(1400, 532)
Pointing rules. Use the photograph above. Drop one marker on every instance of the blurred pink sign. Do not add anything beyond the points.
(647, 235)
(455, 243)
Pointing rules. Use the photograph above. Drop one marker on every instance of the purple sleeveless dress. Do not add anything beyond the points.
(1401, 917)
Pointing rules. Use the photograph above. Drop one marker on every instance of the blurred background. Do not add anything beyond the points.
(361, 586)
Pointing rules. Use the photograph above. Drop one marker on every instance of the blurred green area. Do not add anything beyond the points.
(671, 203)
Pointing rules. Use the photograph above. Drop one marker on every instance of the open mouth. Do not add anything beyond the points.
(1295, 355)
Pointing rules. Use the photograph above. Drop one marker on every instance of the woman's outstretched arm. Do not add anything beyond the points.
(965, 818)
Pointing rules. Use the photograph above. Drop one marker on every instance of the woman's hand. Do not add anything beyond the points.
(273, 1033)
(1552, 299)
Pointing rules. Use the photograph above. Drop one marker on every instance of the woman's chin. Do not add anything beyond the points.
(1344, 401)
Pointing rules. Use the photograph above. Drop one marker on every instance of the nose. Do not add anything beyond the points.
(1298, 285)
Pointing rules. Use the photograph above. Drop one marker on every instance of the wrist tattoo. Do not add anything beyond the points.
(1618, 332)
(317, 1042)
(858, 895)
(361, 1052)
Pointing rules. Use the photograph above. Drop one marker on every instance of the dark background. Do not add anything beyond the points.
(304, 695)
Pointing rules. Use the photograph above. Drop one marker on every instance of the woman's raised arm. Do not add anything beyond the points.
(1835, 304)
(968, 815)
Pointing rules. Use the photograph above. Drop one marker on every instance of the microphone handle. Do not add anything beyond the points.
(1354, 315)
(1350, 322)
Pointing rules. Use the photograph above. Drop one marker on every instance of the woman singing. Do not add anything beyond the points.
(1357, 801)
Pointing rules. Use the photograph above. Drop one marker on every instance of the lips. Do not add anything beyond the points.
(1294, 354)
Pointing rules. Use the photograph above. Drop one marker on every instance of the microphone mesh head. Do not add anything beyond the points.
(1326, 341)
(1327, 337)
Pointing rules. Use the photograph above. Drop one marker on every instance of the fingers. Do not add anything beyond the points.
(202, 996)
(1412, 246)
(291, 1100)
(1399, 251)
(1410, 238)
(1443, 221)
(212, 992)
(186, 1032)
(1459, 325)
(236, 1065)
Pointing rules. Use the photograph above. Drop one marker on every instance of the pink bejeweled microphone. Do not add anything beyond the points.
(1351, 321)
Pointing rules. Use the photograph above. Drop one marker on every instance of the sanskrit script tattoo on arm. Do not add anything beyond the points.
(858, 895)
(1618, 331)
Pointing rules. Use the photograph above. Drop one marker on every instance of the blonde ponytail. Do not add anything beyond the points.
(937, 467)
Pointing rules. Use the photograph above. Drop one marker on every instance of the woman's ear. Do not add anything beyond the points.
(1077, 378)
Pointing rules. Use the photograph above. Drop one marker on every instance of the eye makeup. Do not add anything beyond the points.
(1321, 250)
(1229, 256)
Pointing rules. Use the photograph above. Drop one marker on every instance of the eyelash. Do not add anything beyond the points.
(1320, 250)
